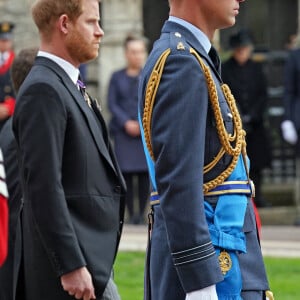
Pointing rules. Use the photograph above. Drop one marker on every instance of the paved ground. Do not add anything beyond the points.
(280, 241)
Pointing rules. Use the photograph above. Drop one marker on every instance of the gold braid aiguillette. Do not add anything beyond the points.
(231, 144)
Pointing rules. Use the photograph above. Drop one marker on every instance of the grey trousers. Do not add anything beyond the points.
(111, 291)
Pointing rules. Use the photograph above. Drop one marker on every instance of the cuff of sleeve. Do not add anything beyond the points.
(200, 273)
(62, 267)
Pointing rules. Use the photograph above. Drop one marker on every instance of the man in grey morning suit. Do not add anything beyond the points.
(72, 186)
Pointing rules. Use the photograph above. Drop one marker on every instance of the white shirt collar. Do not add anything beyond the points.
(69, 68)
(199, 35)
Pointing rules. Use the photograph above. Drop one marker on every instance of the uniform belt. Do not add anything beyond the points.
(225, 188)
(233, 187)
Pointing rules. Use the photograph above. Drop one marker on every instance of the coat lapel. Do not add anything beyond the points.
(101, 140)
(102, 145)
(98, 114)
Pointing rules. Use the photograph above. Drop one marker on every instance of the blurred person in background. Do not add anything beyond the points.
(248, 84)
(125, 130)
(290, 125)
(7, 55)
(83, 72)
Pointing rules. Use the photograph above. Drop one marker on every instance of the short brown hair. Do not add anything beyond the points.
(46, 12)
(21, 66)
(132, 37)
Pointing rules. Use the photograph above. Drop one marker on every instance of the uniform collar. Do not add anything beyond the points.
(198, 34)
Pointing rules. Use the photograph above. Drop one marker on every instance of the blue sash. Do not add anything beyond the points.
(225, 224)
(149, 160)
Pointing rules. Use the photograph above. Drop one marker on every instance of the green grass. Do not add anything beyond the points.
(283, 274)
(129, 275)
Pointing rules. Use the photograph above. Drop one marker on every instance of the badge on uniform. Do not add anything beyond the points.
(225, 262)
(180, 46)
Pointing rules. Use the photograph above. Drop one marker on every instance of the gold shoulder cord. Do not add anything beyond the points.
(233, 145)
(151, 91)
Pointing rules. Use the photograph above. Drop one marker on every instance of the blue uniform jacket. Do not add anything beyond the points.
(184, 139)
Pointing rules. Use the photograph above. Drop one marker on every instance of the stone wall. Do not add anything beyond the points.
(118, 18)
(18, 11)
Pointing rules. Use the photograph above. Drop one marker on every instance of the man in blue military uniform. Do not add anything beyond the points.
(7, 55)
(204, 243)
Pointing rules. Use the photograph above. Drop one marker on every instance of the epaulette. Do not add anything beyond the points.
(178, 42)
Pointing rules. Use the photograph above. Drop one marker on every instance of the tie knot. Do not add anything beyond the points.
(81, 84)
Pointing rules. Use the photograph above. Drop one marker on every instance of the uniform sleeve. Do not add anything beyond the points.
(178, 138)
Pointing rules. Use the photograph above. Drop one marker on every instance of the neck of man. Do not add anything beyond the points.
(197, 19)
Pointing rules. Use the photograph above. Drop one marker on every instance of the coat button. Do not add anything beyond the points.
(117, 189)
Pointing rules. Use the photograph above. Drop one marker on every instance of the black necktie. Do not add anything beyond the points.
(214, 57)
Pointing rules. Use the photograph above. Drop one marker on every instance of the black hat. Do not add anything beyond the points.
(6, 29)
(240, 39)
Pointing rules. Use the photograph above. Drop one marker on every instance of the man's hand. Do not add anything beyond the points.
(208, 293)
(132, 128)
(4, 112)
(78, 283)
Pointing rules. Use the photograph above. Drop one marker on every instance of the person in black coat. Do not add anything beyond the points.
(72, 187)
(10, 277)
(247, 82)
(291, 100)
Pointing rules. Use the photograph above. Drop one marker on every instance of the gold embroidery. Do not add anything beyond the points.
(225, 262)
(269, 295)
(180, 46)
